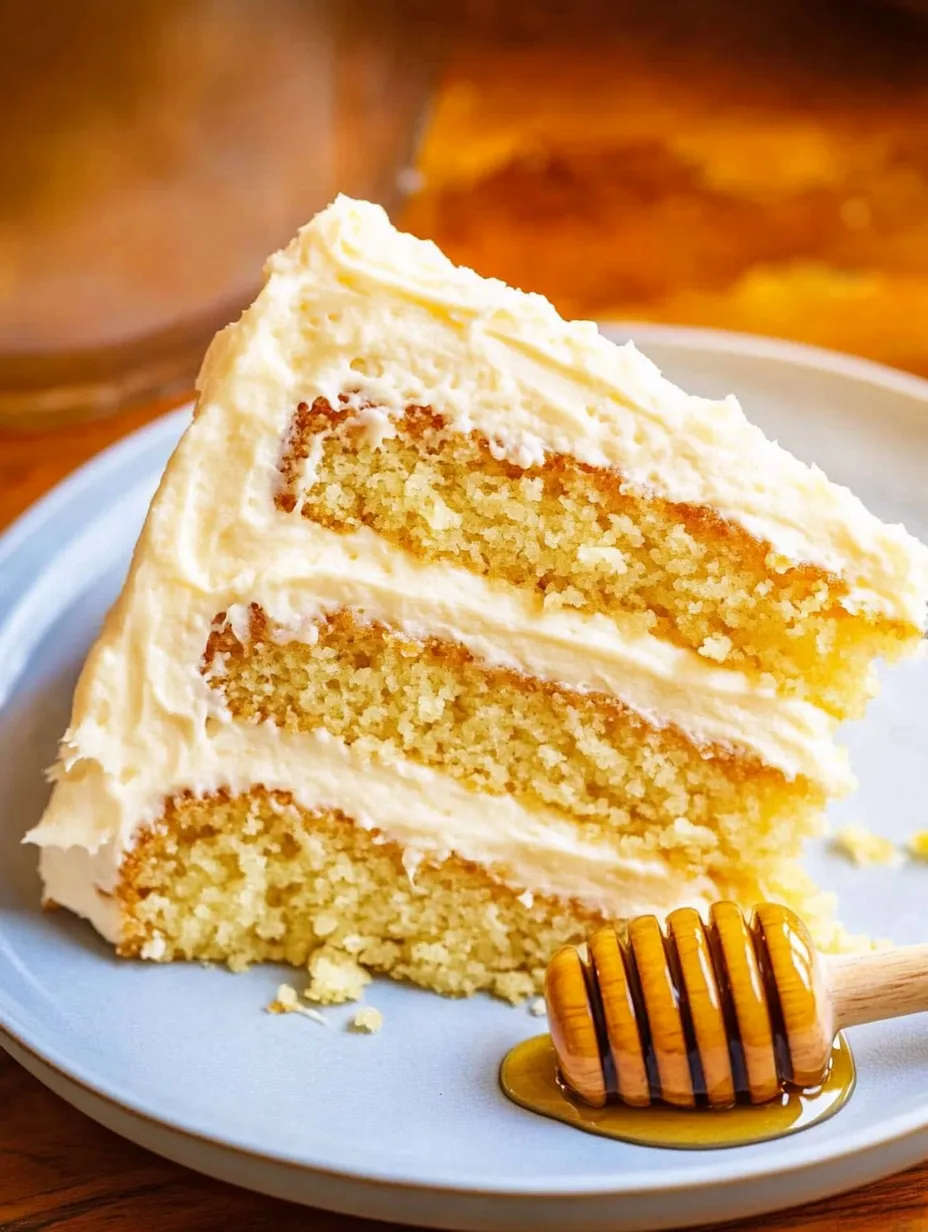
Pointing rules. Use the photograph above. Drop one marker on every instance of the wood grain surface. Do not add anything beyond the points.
(61, 1171)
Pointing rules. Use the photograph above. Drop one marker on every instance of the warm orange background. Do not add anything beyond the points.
(760, 166)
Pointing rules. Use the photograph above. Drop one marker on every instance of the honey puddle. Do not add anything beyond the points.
(528, 1076)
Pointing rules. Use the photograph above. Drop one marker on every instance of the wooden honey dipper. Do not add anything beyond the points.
(698, 1014)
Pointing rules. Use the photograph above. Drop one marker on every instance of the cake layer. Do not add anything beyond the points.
(575, 536)
(389, 317)
(499, 731)
(255, 877)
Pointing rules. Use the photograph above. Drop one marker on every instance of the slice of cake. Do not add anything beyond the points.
(453, 630)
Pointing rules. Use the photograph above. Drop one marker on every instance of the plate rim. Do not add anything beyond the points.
(672, 1180)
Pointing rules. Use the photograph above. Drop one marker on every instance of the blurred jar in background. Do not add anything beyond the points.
(154, 153)
(759, 167)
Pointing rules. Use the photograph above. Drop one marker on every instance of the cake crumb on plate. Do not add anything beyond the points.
(918, 845)
(368, 1020)
(335, 978)
(864, 847)
(287, 1001)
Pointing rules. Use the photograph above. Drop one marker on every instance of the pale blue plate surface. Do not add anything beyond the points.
(381, 1124)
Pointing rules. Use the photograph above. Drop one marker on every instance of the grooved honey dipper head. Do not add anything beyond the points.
(694, 1013)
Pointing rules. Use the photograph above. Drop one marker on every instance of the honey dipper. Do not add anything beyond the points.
(701, 1014)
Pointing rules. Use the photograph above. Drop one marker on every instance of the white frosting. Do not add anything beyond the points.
(429, 813)
(83, 881)
(388, 314)
(145, 723)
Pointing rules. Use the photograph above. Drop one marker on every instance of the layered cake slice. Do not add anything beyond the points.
(454, 629)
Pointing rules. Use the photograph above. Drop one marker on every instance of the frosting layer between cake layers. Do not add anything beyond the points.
(428, 813)
(147, 726)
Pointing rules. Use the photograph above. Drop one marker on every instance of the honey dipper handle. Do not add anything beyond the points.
(872, 987)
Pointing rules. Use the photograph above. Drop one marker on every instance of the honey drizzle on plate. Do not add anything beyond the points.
(528, 1076)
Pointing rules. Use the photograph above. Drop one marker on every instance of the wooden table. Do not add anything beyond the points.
(60, 1170)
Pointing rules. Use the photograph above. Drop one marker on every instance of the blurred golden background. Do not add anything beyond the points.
(758, 167)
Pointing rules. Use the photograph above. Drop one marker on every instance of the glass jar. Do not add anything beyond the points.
(753, 167)
(155, 152)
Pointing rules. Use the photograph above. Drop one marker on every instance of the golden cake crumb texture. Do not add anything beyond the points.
(864, 847)
(367, 1021)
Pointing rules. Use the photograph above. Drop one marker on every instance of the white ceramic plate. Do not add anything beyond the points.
(410, 1125)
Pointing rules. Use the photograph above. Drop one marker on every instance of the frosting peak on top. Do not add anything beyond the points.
(496, 359)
